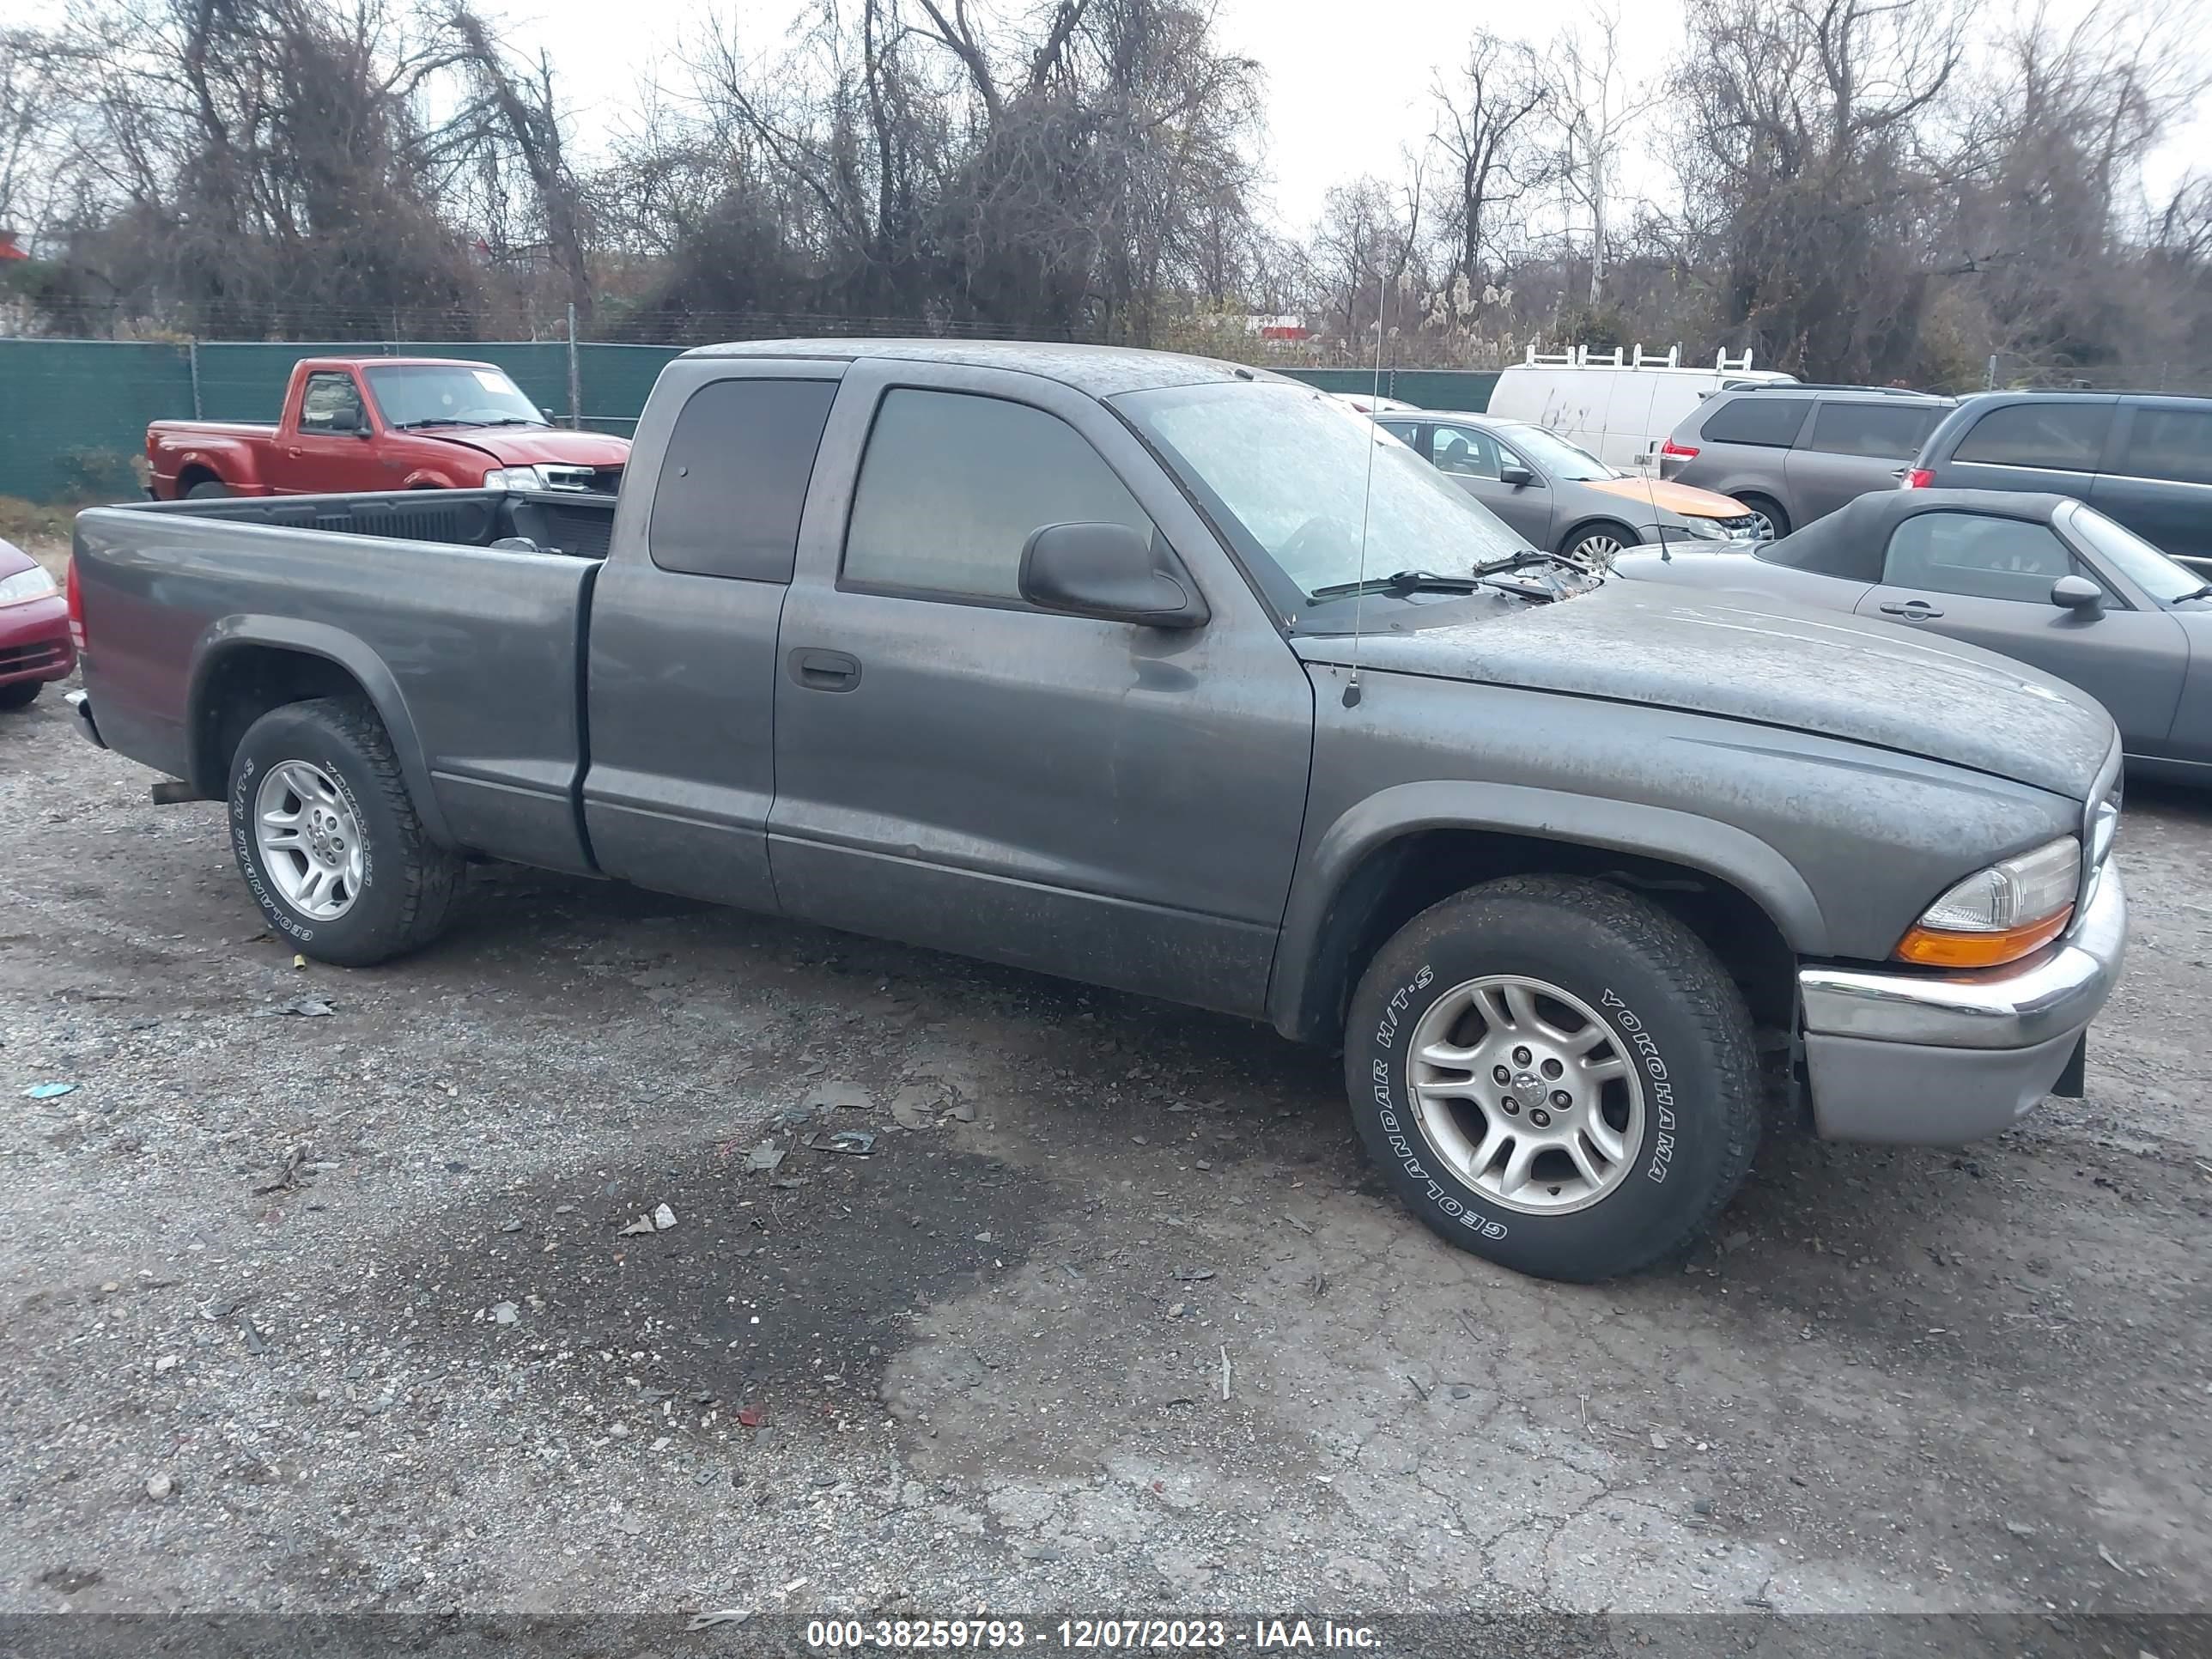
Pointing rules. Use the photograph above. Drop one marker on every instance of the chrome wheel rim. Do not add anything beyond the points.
(309, 840)
(1765, 524)
(1598, 550)
(1526, 1094)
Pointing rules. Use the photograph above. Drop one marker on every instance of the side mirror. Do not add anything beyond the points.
(1109, 572)
(2077, 593)
(1518, 476)
(364, 431)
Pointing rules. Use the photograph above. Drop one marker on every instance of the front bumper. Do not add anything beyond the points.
(35, 641)
(1939, 1060)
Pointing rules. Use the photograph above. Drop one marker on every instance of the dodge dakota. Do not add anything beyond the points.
(1171, 676)
(366, 424)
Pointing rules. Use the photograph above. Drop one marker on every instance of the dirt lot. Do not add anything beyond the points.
(336, 1310)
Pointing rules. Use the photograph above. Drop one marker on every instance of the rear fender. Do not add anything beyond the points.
(229, 635)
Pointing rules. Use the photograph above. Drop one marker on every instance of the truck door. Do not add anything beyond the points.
(1096, 799)
(328, 449)
(682, 679)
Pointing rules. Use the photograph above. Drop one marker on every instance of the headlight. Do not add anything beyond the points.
(1999, 914)
(1705, 530)
(515, 477)
(25, 585)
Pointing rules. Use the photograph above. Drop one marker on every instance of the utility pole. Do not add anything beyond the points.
(575, 375)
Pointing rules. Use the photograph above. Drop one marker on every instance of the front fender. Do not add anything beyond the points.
(1717, 849)
(227, 636)
(431, 478)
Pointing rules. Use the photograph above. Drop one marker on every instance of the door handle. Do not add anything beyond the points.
(824, 670)
(295, 453)
(1911, 610)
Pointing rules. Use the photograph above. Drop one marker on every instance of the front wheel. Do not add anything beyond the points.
(1555, 1074)
(208, 489)
(22, 695)
(1597, 545)
(327, 838)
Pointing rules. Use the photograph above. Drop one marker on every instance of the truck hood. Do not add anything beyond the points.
(519, 445)
(1767, 662)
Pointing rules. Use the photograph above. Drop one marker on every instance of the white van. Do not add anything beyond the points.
(1619, 407)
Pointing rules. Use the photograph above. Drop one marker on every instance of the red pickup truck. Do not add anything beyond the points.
(371, 423)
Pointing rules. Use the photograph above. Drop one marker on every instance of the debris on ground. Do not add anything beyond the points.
(160, 1488)
(751, 1418)
(763, 1158)
(1194, 1275)
(299, 962)
(913, 1106)
(287, 1178)
(725, 1616)
(854, 1143)
(835, 1096)
(49, 1090)
(505, 1313)
(663, 1219)
(302, 1007)
(963, 1111)
(643, 1224)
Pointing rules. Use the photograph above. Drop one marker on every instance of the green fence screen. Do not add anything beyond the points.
(73, 413)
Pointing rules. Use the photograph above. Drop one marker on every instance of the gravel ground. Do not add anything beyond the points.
(350, 1309)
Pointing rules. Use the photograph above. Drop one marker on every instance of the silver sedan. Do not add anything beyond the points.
(1562, 498)
(2044, 579)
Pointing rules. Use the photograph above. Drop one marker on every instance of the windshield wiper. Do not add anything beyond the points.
(2203, 593)
(415, 426)
(510, 420)
(1405, 581)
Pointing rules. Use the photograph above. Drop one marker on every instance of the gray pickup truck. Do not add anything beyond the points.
(1171, 676)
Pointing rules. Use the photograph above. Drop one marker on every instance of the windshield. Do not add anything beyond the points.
(1555, 457)
(2136, 558)
(1291, 467)
(417, 394)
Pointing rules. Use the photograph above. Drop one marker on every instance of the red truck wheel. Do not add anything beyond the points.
(206, 489)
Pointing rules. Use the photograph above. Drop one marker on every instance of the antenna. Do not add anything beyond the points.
(1366, 497)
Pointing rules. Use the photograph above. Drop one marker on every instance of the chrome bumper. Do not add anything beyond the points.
(1939, 1060)
(81, 706)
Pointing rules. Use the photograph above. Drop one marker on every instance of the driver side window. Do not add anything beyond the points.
(331, 403)
(1464, 453)
(1978, 556)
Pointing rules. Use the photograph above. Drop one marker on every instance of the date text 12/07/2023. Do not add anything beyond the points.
(1088, 1634)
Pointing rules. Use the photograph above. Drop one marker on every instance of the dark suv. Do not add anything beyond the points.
(1793, 453)
(2142, 459)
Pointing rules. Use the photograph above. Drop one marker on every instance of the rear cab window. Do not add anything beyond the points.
(1883, 431)
(2051, 437)
(954, 483)
(733, 482)
(1767, 420)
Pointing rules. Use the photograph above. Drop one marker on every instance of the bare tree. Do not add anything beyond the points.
(1488, 112)
(1594, 102)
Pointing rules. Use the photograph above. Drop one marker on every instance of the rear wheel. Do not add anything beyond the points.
(22, 695)
(206, 489)
(1555, 1074)
(327, 838)
(1598, 545)
(1773, 522)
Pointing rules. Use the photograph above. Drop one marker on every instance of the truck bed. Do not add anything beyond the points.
(472, 653)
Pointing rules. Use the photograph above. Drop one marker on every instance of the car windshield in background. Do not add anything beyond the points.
(2134, 558)
(433, 394)
(1292, 468)
(1558, 458)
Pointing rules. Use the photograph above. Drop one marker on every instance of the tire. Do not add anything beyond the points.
(398, 888)
(22, 695)
(1597, 544)
(1766, 508)
(1660, 1007)
(206, 489)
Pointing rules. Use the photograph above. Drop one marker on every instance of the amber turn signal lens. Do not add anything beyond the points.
(1934, 947)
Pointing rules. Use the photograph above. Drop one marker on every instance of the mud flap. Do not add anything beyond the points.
(2072, 1081)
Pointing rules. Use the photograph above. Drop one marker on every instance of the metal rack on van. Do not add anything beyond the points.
(1582, 357)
